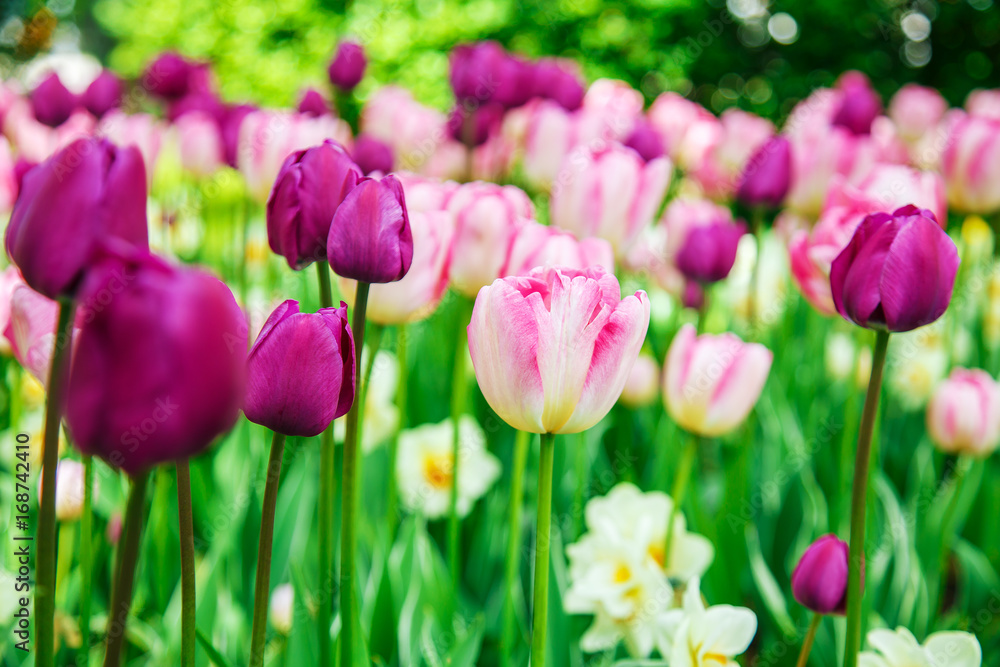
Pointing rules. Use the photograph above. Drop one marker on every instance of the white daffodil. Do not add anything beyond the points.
(381, 414)
(424, 467)
(701, 636)
(899, 648)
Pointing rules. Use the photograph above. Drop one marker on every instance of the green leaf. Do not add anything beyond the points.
(213, 654)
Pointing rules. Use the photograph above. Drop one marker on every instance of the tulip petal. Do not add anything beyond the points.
(954, 649)
(856, 270)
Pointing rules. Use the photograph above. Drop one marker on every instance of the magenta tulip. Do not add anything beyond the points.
(103, 94)
(480, 123)
(52, 102)
(370, 238)
(557, 81)
(348, 65)
(709, 251)
(646, 141)
(963, 416)
(859, 104)
(300, 370)
(897, 272)
(87, 193)
(475, 71)
(158, 372)
(169, 76)
(229, 127)
(819, 581)
(767, 177)
(372, 155)
(313, 103)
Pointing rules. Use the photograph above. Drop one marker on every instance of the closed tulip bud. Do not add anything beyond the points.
(859, 104)
(552, 351)
(537, 245)
(709, 251)
(103, 94)
(897, 272)
(476, 126)
(673, 115)
(768, 175)
(313, 103)
(819, 581)
(159, 368)
(52, 102)
(87, 193)
(348, 66)
(69, 490)
(370, 238)
(309, 189)
(474, 71)
(971, 165)
(372, 155)
(963, 416)
(711, 382)
(556, 81)
(916, 110)
(300, 370)
(643, 383)
(169, 76)
(646, 141)
(515, 82)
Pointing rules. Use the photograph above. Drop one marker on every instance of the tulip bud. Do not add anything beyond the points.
(480, 123)
(313, 104)
(103, 94)
(169, 76)
(52, 102)
(515, 84)
(282, 608)
(711, 382)
(709, 251)
(767, 176)
(693, 296)
(552, 350)
(70, 490)
(819, 581)
(158, 372)
(643, 383)
(963, 416)
(348, 66)
(646, 141)
(310, 187)
(87, 193)
(300, 370)
(859, 103)
(537, 245)
(556, 81)
(897, 272)
(475, 71)
(370, 238)
(372, 155)
(916, 110)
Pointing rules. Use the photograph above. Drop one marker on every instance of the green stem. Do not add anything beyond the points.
(521, 439)
(859, 495)
(582, 473)
(807, 643)
(121, 590)
(458, 395)
(678, 492)
(262, 585)
(349, 491)
(188, 600)
(45, 561)
(540, 610)
(948, 526)
(86, 551)
(327, 498)
(392, 501)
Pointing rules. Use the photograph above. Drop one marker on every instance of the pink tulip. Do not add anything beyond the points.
(673, 115)
(610, 193)
(31, 330)
(348, 65)
(141, 130)
(616, 101)
(984, 103)
(971, 165)
(487, 217)
(683, 215)
(741, 135)
(646, 140)
(916, 110)
(200, 144)
(887, 187)
(418, 293)
(552, 350)
(963, 416)
(426, 194)
(767, 177)
(10, 279)
(711, 382)
(34, 141)
(537, 245)
(811, 254)
(643, 383)
(412, 130)
(8, 178)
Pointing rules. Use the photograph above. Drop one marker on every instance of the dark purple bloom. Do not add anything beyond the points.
(819, 581)
(481, 123)
(645, 140)
(476, 72)
(103, 94)
(768, 175)
(52, 102)
(515, 82)
(348, 66)
(313, 103)
(169, 76)
(556, 82)
(859, 103)
(204, 102)
(709, 251)
(372, 155)
(229, 128)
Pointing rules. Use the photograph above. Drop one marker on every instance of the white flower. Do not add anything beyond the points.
(381, 414)
(282, 608)
(841, 355)
(424, 467)
(69, 490)
(899, 648)
(703, 636)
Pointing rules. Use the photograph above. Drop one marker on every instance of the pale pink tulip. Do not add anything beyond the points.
(199, 143)
(985, 103)
(916, 110)
(425, 194)
(8, 178)
(31, 330)
(616, 101)
(413, 131)
(811, 253)
(537, 245)
(739, 136)
(711, 382)
(643, 383)
(552, 350)
(141, 130)
(673, 115)
(971, 165)
(889, 186)
(963, 416)
(35, 141)
(10, 279)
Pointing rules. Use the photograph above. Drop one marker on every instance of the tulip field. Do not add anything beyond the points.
(517, 356)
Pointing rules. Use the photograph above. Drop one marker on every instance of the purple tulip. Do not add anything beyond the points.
(475, 71)
(515, 81)
(21, 169)
(307, 192)
(313, 104)
(767, 177)
(52, 102)
(693, 296)
(897, 272)
(819, 581)
(201, 102)
(646, 141)
(370, 238)
(372, 155)
(88, 192)
(709, 251)
(103, 94)
(169, 76)
(859, 103)
(348, 66)
(485, 122)
(159, 367)
(300, 370)
(229, 127)
(556, 82)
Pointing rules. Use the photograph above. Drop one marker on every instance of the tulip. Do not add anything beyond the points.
(11, 175)
(887, 187)
(767, 176)
(672, 115)
(643, 383)
(610, 193)
(474, 71)
(916, 110)
(616, 100)
(370, 238)
(646, 141)
(69, 490)
(727, 152)
(709, 251)
(103, 94)
(515, 82)
(683, 216)
(963, 416)
(417, 294)
(897, 272)
(711, 382)
(899, 648)
(412, 130)
(229, 127)
(372, 155)
(309, 189)
(87, 193)
(140, 130)
(168, 76)
(859, 104)
(537, 245)
(200, 143)
(971, 165)
(300, 370)
(558, 81)
(348, 66)
(428, 194)
(519, 340)
(475, 127)
(31, 330)
(158, 372)
(985, 103)
(312, 103)
(52, 102)
(487, 216)
(206, 102)
(819, 581)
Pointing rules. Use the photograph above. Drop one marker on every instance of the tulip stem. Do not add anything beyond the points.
(807, 643)
(45, 563)
(349, 491)
(121, 590)
(513, 545)
(540, 609)
(86, 551)
(188, 601)
(458, 392)
(327, 496)
(391, 513)
(262, 585)
(678, 492)
(859, 495)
